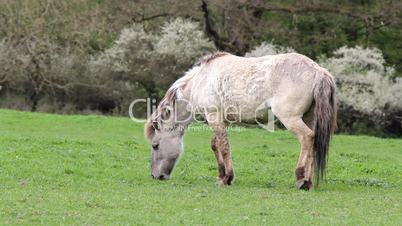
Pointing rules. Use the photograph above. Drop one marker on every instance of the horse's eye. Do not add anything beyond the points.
(155, 124)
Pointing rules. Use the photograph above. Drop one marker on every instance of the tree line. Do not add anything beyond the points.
(96, 56)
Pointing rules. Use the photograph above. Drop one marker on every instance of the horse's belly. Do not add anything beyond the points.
(247, 110)
(244, 98)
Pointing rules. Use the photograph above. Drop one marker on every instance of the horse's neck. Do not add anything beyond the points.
(187, 81)
(182, 113)
(183, 99)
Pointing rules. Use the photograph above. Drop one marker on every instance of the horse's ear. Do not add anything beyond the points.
(149, 130)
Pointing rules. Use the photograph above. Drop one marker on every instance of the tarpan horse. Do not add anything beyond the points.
(299, 92)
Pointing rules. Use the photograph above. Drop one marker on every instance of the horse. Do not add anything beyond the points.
(299, 92)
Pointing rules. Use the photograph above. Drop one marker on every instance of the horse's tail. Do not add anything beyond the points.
(324, 121)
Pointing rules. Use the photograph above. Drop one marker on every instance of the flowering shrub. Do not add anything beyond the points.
(146, 63)
(132, 47)
(182, 39)
(268, 48)
(364, 81)
(366, 87)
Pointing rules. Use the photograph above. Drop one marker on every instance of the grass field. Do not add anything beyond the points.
(94, 170)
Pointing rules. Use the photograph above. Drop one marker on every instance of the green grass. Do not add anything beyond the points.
(94, 170)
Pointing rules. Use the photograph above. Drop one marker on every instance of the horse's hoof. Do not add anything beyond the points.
(304, 184)
(226, 181)
(220, 181)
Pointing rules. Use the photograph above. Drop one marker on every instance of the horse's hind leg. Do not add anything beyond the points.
(304, 167)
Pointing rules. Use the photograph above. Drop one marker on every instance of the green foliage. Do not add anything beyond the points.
(321, 27)
(95, 170)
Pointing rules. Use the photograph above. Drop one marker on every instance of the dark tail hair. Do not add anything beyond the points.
(324, 122)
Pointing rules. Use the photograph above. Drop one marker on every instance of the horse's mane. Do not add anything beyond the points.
(174, 91)
(210, 57)
(171, 95)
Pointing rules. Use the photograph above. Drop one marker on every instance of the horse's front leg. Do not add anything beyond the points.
(219, 160)
(223, 155)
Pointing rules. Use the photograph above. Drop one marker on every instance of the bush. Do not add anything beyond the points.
(42, 73)
(182, 39)
(268, 48)
(366, 89)
(53, 78)
(144, 64)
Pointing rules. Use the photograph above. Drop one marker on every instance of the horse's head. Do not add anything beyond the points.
(166, 147)
(165, 130)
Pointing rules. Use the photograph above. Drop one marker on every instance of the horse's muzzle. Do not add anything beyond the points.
(160, 177)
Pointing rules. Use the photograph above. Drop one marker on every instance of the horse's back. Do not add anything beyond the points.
(249, 83)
